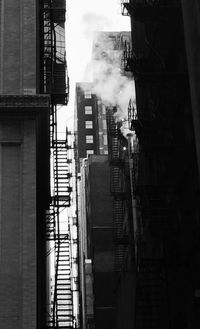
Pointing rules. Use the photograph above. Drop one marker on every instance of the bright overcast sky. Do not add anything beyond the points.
(83, 17)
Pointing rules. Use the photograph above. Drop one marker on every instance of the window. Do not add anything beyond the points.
(89, 139)
(88, 94)
(89, 152)
(105, 140)
(88, 109)
(103, 109)
(88, 124)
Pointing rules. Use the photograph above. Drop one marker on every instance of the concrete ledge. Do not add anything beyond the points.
(24, 101)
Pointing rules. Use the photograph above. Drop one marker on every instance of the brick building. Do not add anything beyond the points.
(26, 115)
(98, 275)
(161, 166)
(154, 178)
(86, 120)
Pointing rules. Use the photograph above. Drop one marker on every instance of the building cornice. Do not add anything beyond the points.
(24, 102)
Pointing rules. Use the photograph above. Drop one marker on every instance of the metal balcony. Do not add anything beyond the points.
(56, 9)
(55, 78)
(150, 10)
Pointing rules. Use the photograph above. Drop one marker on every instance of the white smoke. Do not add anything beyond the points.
(131, 135)
(125, 130)
(93, 22)
(104, 70)
(114, 88)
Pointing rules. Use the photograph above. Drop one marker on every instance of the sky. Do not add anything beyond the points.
(83, 18)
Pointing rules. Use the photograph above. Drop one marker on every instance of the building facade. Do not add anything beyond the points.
(96, 244)
(99, 258)
(25, 182)
(86, 120)
(32, 83)
(154, 172)
(164, 188)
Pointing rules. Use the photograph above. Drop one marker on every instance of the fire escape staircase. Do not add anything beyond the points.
(62, 176)
(148, 10)
(63, 310)
(120, 237)
(55, 83)
(50, 224)
(62, 315)
(63, 304)
(117, 188)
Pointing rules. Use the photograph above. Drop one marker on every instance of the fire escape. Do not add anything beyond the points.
(55, 83)
(116, 146)
(153, 189)
(151, 215)
(144, 10)
(147, 63)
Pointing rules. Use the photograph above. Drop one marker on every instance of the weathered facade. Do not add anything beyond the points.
(29, 92)
(162, 153)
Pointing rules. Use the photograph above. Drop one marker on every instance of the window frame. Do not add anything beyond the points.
(87, 94)
(88, 124)
(88, 110)
(89, 139)
(89, 152)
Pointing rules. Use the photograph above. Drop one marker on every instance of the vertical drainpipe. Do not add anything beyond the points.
(133, 201)
(191, 22)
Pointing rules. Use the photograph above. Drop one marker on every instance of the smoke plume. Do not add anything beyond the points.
(106, 74)
(112, 87)
(93, 22)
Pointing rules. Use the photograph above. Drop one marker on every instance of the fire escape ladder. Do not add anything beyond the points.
(111, 123)
(117, 180)
(54, 81)
(114, 155)
(118, 213)
(50, 224)
(62, 316)
(117, 146)
(53, 125)
(61, 174)
(57, 252)
(128, 57)
(115, 138)
(64, 302)
(120, 238)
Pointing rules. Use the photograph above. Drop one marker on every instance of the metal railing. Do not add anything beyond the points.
(55, 77)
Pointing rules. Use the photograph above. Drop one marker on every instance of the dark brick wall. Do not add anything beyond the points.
(18, 47)
(100, 228)
(18, 224)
